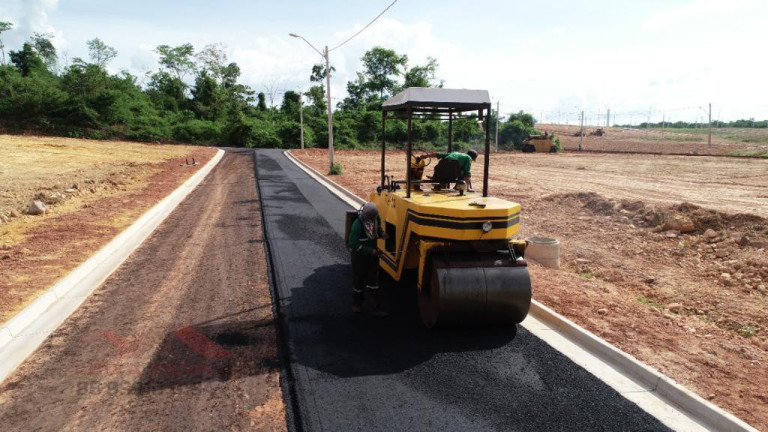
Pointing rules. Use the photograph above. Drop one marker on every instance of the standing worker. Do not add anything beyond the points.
(363, 235)
(465, 163)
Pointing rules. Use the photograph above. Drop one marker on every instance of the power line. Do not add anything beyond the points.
(363, 29)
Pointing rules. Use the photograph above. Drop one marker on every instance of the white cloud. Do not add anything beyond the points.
(28, 17)
(558, 30)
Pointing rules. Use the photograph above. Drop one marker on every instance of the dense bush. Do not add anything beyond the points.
(197, 132)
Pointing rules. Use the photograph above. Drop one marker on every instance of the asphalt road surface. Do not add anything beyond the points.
(179, 338)
(353, 372)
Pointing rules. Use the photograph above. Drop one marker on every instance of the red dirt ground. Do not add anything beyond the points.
(691, 305)
(50, 250)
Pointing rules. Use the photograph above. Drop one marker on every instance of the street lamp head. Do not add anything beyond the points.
(293, 35)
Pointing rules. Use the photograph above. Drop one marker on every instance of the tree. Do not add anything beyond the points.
(525, 118)
(27, 60)
(290, 106)
(213, 58)
(101, 54)
(45, 49)
(316, 96)
(177, 60)
(382, 66)
(4, 27)
(423, 76)
(319, 74)
(262, 105)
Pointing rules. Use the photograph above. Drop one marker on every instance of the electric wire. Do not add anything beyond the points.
(364, 28)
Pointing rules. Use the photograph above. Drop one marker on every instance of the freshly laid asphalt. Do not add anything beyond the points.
(358, 372)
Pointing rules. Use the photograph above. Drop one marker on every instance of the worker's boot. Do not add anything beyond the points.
(357, 301)
(377, 303)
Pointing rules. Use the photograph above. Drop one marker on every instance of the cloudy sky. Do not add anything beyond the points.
(553, 58)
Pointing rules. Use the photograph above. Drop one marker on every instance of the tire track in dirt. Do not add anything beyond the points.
(179, 338)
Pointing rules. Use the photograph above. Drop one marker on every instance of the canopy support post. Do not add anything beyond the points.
(450, 130)
(408, 156)
(487, 151)
(383, 144)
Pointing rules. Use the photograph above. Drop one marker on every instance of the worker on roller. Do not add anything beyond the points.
(465, 163)
(363, 236)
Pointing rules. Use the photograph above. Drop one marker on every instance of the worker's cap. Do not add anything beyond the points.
(472, 154)
(369, 211)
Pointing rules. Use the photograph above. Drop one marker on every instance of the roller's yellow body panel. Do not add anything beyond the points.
(437, 219)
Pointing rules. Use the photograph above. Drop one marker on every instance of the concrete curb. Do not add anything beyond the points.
(703, 411)
(22, 335)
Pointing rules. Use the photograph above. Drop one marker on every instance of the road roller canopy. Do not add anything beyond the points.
(436, 104)
(431, 100)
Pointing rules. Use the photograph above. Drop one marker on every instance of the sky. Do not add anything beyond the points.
(652, 58)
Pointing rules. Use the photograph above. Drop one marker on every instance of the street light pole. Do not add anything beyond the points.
(330, 112)
(325, 56)
(301, 119)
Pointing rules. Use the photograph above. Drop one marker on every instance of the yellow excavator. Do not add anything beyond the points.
(469, 269)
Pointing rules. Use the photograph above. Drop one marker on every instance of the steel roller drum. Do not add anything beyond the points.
(477, 292)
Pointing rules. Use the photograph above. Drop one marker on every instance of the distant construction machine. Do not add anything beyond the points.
(539, 144)
(459, 243)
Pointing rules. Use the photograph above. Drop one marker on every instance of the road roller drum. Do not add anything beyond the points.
(460, 293)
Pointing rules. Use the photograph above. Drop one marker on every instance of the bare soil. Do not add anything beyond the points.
(181, 337)
(93, 191)
(692, 305)
(725, 141)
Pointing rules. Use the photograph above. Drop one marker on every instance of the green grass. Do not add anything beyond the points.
(336, 169)
(747, 331)
(651, 303)
(587, 275)
(756, 139)
(750, 153)
(674, 138)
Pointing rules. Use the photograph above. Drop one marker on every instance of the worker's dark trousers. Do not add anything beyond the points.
(365, 276)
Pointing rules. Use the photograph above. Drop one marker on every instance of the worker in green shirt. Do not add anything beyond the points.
(363, 235)
(465, 163)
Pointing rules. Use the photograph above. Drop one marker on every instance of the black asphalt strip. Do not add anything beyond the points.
(357, 372)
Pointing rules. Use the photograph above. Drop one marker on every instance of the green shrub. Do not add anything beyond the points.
(253, 133)
(558, 144)
(197, 132)
(336, 169)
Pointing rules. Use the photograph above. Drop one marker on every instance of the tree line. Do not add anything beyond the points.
(196, 97)
(744, 123)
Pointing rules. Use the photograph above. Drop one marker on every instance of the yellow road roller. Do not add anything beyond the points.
(459, 243)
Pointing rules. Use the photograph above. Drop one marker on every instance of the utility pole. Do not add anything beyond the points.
(608, 118)
(581, 135)
(663, 124)
(709, 139)
(301, 119)
(498, 114)
(648, 125)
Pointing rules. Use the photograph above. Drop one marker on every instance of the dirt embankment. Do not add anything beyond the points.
(91, 192)
(680, 286)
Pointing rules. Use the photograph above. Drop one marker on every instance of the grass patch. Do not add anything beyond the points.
(651, 303)
(336, 169)
(587, 275)
(758, 139)
(747, 331)
(750, 153)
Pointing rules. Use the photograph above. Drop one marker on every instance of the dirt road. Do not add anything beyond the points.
(180, 338)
